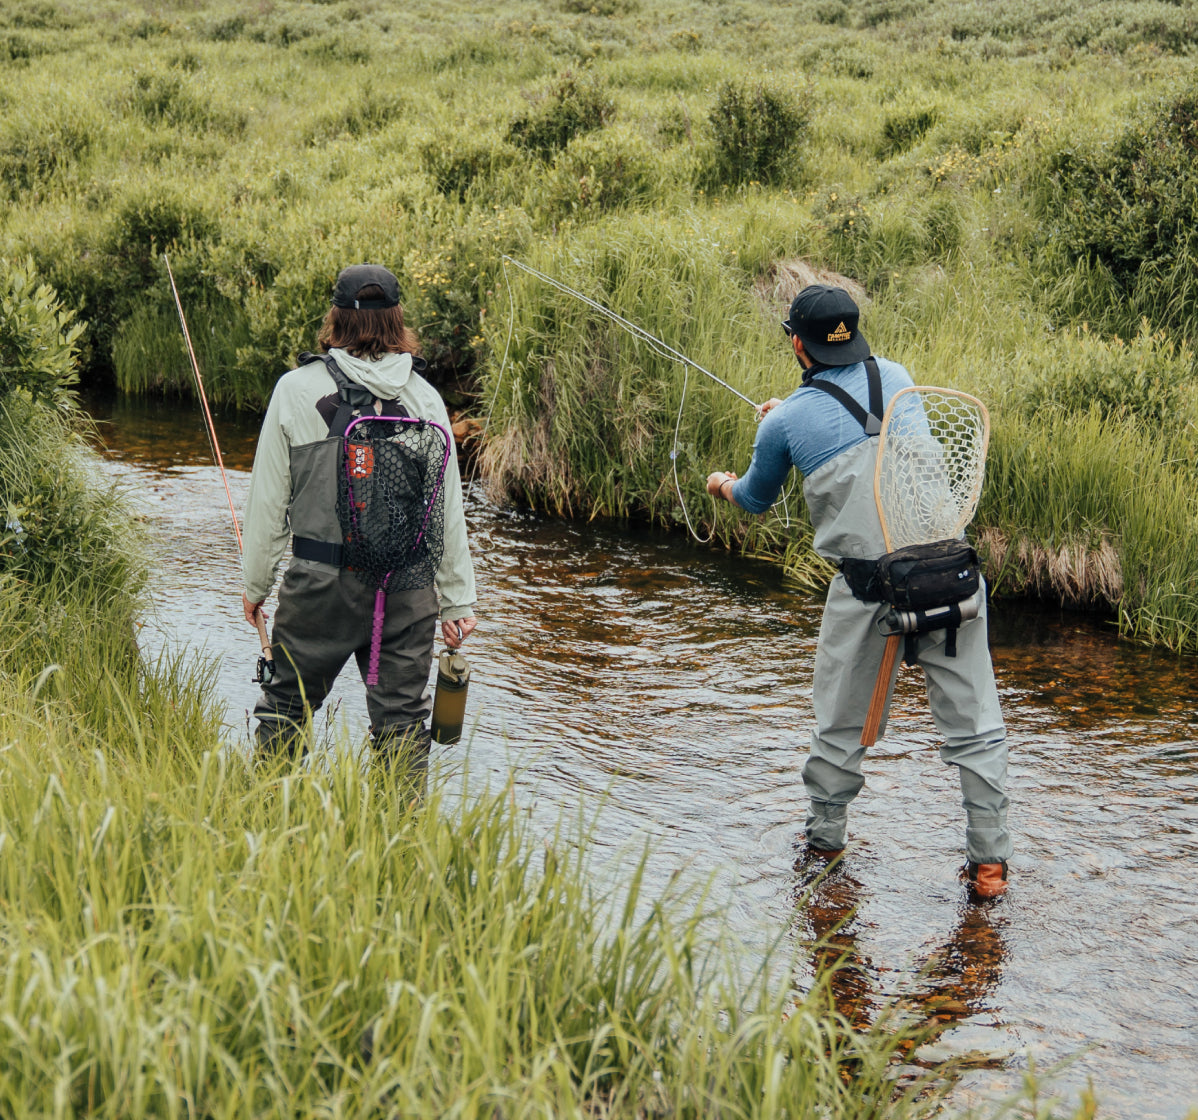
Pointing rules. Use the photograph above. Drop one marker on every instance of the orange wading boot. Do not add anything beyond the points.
(826, 854)
(986, 880)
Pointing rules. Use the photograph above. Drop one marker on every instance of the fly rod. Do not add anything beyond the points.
(662, 348)
(659, 347)
(266, 665)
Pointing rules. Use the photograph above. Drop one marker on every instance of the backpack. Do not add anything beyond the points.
(390, 494)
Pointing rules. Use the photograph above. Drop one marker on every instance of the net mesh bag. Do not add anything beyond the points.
(931, 458)
(391, 502)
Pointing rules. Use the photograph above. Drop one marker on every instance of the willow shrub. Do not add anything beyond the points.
(1148, 377)
(572, 105)
(758, 127)
(38, 338)
(71, 562)
(1126, 210)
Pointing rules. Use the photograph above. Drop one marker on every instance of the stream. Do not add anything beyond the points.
(662, 691)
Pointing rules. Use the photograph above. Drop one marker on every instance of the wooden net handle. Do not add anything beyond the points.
(877, 702)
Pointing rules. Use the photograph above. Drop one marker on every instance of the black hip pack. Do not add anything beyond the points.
(927, 586)
(923, 576)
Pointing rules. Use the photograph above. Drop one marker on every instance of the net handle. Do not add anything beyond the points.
(968, 511)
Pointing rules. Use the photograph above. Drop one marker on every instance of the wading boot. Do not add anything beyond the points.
(986, 880)
(826, 854)
(815, 864)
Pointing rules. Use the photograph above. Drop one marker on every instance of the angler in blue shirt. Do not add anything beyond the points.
(827, 429)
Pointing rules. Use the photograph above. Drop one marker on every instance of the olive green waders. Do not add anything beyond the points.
(324, 617)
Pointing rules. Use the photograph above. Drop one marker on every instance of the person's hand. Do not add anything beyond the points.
(252, 610)
(716, 481)
(457, 631)
(762, 409)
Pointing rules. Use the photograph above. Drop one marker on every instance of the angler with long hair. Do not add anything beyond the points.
(356, 467)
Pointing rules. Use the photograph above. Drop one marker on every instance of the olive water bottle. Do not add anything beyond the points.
(449, 702)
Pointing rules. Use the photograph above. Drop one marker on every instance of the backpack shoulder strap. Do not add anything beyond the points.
(870, 421)
(350, 400)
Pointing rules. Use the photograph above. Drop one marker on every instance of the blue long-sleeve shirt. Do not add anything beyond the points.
(808, 429)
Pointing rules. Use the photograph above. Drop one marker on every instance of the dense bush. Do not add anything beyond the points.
(903, 128)
(601, 7)
(572, 105)
(457, 160)
(181, 100)
(757, 126)
(37, 339)
(1134, 203)
(60, 530)
(1148, 377)
(366, 111)
(603, 170)
(40, 145)
(445, 288)
(1130, 209)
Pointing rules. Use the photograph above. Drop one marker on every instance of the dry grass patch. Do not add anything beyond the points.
(783, 280)
(1077, 573)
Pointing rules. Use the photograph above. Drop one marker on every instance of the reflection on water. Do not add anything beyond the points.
(677, 681)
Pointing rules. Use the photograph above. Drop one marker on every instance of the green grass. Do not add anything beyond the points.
(186, 936)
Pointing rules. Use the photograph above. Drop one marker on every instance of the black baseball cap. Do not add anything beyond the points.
(350, 281)
(825, 319)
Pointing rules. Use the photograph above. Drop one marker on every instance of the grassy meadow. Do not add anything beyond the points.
(1011, 188)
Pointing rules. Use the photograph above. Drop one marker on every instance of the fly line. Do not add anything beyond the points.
(656, 345)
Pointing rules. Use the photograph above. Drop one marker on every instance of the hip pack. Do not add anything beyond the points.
(923, 576)
(928, 587)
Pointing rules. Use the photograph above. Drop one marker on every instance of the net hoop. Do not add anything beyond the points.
(930, 465)
(386, 563)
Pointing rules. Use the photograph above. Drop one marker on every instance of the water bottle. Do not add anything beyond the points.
(449, 702)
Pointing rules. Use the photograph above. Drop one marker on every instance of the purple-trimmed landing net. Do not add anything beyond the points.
(391, 505)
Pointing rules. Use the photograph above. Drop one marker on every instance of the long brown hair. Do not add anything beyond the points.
(367, 334)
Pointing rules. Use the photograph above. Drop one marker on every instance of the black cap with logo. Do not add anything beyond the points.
(825, 319)
(350, 281)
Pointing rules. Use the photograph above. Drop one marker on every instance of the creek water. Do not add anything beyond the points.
(663, 691)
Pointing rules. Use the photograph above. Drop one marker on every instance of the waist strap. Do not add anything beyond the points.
(322, 551)
(862, 578)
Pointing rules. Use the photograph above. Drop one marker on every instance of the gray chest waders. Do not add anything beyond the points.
(928, 586)
(390, 500)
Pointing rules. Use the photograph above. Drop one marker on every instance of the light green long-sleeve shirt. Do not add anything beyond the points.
(292, 421)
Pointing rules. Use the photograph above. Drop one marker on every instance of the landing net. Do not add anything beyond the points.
(391, 503)
(931, 458)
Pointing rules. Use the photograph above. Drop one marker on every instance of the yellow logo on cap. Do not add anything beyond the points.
(840, 334)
